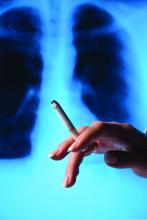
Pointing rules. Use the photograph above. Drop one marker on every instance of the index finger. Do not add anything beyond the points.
(62, 150)
(114, 136)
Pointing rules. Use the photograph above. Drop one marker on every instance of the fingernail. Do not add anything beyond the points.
(73, 146)
(70, 149)
(110, 159)
(65, 182)
(52, 154)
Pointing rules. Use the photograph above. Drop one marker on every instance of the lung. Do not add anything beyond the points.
(99, 65)
(5, 2)
(131, 2)
(20, 79)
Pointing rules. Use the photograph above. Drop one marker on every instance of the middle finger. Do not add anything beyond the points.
(72, 169)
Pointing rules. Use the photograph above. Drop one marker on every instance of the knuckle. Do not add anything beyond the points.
(98, 124)
(82, 128)
(127, 126)
(115, 123)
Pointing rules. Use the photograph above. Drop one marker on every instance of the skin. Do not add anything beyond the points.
(123, 146)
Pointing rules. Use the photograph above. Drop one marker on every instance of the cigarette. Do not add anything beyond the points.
(61, 113)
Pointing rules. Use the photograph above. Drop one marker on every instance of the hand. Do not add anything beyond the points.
(123, 146)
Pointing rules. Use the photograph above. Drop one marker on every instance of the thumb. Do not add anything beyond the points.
(121, 159)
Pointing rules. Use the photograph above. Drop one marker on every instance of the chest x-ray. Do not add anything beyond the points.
(91, 57)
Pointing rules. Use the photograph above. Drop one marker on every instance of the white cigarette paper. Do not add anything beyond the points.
(61, 113)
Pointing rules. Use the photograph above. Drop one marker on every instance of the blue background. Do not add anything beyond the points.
(30, 187)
